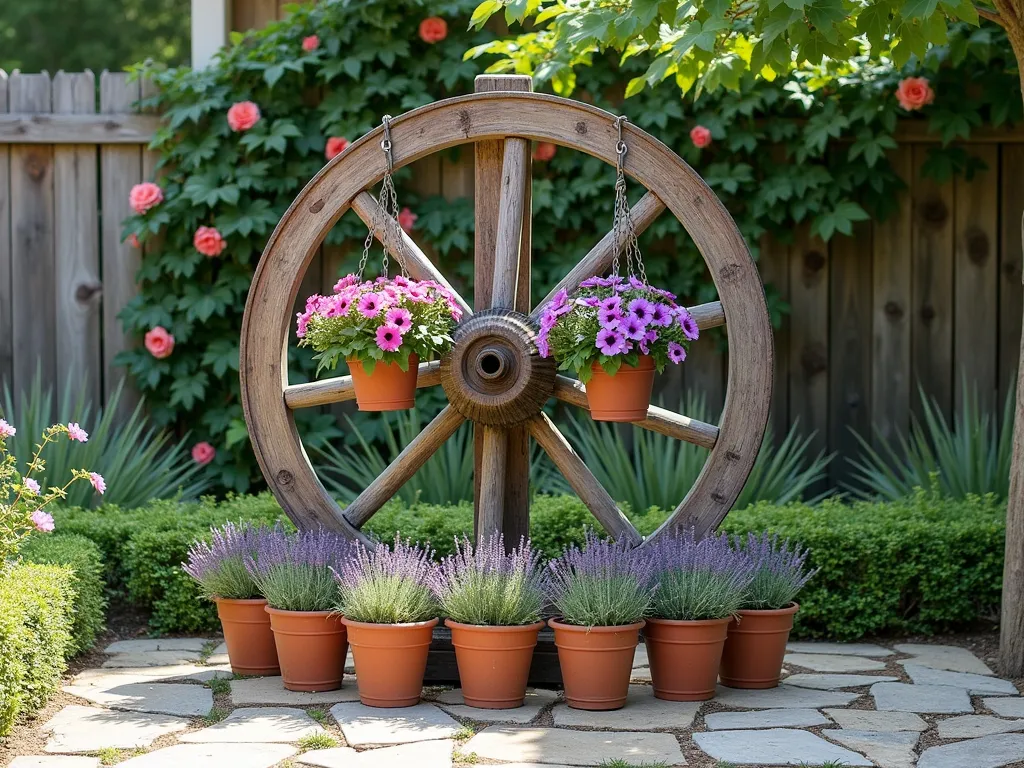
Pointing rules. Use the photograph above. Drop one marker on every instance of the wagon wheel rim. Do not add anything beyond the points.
(269, 401)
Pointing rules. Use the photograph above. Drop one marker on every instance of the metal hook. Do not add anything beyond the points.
(620, 145)
(385, 143)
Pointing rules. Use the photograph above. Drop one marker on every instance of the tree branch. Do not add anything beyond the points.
(992, 16)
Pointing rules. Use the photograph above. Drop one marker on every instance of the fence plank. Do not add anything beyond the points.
(891, 302)
(120, 170)
(32, 260)
(773, 265)
(252, 14)
(6, 309)
(23, 128)
(76, 245)
(1011, 304)
(849, 347)
(976, 313)
(932, 292)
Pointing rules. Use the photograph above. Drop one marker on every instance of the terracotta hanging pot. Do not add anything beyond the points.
(624, 396)
(391, 660)
(494, 662)
(685, 656)
(311, 646)
(248, 636)
(388, 388)
(755, 648)
(596, 663)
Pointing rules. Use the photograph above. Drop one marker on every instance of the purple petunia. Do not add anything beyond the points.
(632, 328)
(389, 337)
(610, 342)
(642, 310)
(676, 352)
(612, 303)
(688, 324)
(548, 319)
(661, 314)
(608, 318)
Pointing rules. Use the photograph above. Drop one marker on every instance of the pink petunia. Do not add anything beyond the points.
(400, 318)
(98, 482)
(335, 146)
(31, 486)
(310, 43)
(370, 304)
(243, 115)
(389, 337)
(407, 219)
(145, 196)
(203, 453)
(75, 432)
(700, 136)
(6, 430)
(42, 521)
(207, 241)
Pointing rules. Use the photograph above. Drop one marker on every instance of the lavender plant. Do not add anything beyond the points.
(779, 571)
(485, 585)
(605, 584)
(387, 585)
(699, 579)
(295, 572)
(219, 565)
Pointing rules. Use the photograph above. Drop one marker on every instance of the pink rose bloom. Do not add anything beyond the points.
(208, 241)
(914, 93)
(98, 482)
(42, 521)
(31, 486)
(159, 342)
(544, 151)
(243, 115)
(6, 430)
(433, 30)
(700, 136)
(133, 241)
(203, 453)
(75, 432)
(407, 219)
(335, 146)
(145, 196)
(310, 43)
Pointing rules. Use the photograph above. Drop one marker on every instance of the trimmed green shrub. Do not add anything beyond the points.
(86, 563)
(36, 620)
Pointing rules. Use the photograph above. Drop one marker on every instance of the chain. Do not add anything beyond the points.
(387, 204)
(622, 223)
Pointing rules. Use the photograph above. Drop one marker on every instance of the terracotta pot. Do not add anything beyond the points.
(494, 662)
(388, 388)
(685, 656)
(596, 663)
(391, 660)
(624, 396)
(247, 634)
(755, 648)
(311, 646)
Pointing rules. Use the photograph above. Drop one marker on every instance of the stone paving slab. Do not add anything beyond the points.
(820, 662)
(783, 697)
(839, 649)
(159, 698)
(925, 699)
(426, 754)
(978, 685)
(266, 725)
(88, 729)
(265, 691)
(884, 749)
(826, 682)
(213, 756)
(986, 752)
(642, 712)
(949, 657)
(765, 718)
(640, 657)
(371, 726)
(335, 757)
(194, 644)
(1008, 707)
(975, 726)
(777, 746)
(535, 701)
(643, 674)
(558, 746)
(54, 761)
(870, 720)
(150, 659)
(108, 678)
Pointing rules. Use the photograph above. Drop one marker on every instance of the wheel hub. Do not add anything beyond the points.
(495, 374)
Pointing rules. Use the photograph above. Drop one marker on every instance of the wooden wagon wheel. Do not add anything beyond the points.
(494, 376)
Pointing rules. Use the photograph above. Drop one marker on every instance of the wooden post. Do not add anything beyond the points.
(515, 512)
(211, 20)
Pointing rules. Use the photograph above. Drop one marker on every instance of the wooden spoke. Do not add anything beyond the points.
(514, 179)
(658, 419)
(582, 480)
(600, 258)
(408, 462)
(493, 468)
(339, 389)
(419, 266)
(710, 315)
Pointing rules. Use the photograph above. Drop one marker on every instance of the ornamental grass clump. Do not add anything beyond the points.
(699, 579)
(387, 585)
(485, 585)
(779, 571)
(294, 572)
(219, 566)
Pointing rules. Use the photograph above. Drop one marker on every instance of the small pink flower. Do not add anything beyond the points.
(370, 304)
(310, 43)
(31, 486)
(208, 241)
(335, 146)
(914, 93)
(433, 30)
(98, 482)
(243, 115)
(389, 337)
(203, 453)
(75, 432)
(145, 196)
(407, 219)
(6, 430)
(42, 521)
(400, 318)
(133, 241)
(544, 151)
(700, 136)
(159, 342)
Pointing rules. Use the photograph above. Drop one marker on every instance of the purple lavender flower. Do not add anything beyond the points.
(631, 327)
(294, 572)
(780, 571)
(676, 352)
(219, 566)
(661, 315)
(387, 585)
(610, 342)
(642, 310)
(688, 324)
(699, 579)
